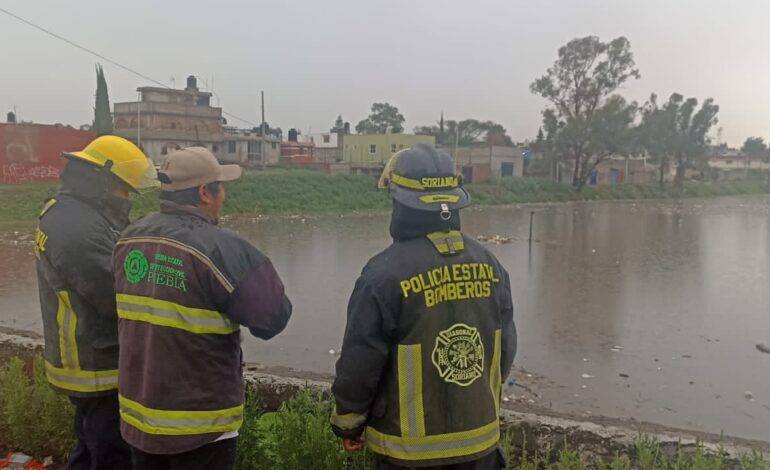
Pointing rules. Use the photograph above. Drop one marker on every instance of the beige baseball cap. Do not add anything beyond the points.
(193, 166)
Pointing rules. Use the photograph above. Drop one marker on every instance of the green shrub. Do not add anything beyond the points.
(34, 419)
(297, 436)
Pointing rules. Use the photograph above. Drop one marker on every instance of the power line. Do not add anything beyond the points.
(104, 58)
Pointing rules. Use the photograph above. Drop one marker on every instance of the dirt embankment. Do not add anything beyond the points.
(530, 428)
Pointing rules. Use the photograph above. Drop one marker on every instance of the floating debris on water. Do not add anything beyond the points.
(763, 348)
(494, 239)
(587, 376)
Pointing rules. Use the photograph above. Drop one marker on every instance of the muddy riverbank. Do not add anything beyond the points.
(531, 430)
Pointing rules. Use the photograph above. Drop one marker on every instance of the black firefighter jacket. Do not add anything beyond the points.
(76, 234)
(429, 338)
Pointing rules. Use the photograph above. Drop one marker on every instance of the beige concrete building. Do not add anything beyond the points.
(480, 162)
(164, 120)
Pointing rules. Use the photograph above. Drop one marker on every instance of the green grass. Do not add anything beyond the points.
(37, 421)
(33, 418)
(300, 191)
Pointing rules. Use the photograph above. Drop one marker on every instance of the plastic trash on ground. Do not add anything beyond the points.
(19, 461)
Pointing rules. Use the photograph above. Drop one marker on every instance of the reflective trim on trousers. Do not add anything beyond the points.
(179, 422)
(410, 398)
(438, 446)
(78, 380)
(164, 313)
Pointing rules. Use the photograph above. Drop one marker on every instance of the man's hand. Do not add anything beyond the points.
(353, 445)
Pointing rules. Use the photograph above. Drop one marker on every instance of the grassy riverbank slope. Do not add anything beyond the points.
(290, 191)
(37, 421)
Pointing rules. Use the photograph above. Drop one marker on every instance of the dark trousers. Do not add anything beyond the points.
(218, 455)
(97, 428)
(493, 461)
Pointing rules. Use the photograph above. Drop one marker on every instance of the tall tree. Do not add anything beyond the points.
(677, 131)
(384, 116)
(692, 126)
(102, 116)
(657, 135)
(580, 87)
(339, 125)
(755, 147)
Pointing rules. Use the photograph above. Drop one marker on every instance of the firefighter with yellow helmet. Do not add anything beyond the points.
(430, 333)
(76, 234)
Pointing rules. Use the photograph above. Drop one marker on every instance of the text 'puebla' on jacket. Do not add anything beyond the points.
(430, 336)
(184, 286)
(73, 247)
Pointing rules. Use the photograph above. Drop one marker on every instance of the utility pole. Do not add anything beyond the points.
(457, 138)
(263, 147)
(139, 120)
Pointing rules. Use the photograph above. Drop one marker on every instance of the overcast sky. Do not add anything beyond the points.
(317, 59)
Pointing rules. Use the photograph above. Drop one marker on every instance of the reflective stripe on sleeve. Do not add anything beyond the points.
(164, 313)
(179, 422)
(348, 421)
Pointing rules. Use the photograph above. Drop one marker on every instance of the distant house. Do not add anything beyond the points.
(617, 170)
(33, 152)
(164, 120)
(327, 147)
(376, 149)
(734, 166)
(480, 162)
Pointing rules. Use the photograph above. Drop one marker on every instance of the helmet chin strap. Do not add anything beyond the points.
(446, 214)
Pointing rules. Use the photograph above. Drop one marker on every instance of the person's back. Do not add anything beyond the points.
(183, 287)
(76, 234)
(429, 335)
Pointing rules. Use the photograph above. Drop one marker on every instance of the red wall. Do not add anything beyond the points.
(32, 152)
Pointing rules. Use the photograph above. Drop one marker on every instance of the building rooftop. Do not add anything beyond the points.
(156, 89)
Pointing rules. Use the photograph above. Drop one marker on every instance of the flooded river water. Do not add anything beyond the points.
(644, 310)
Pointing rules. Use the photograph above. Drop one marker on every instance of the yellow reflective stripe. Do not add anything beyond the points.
(348, 421)
(438, 198)
(438, 446)
(188, 249)
(67, 322)
(102, 158)
(406, 182)
(179, 422)
(495, 374)
(447, 242)
(410, 400)
(81, 380)
(170, 314)
(47, 206)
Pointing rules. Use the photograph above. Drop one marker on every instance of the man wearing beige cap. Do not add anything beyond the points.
(184, 286)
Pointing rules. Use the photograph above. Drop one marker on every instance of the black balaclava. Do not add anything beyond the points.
(407, 223)
(96, 185)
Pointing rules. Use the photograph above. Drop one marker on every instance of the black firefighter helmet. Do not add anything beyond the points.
(425, 178)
